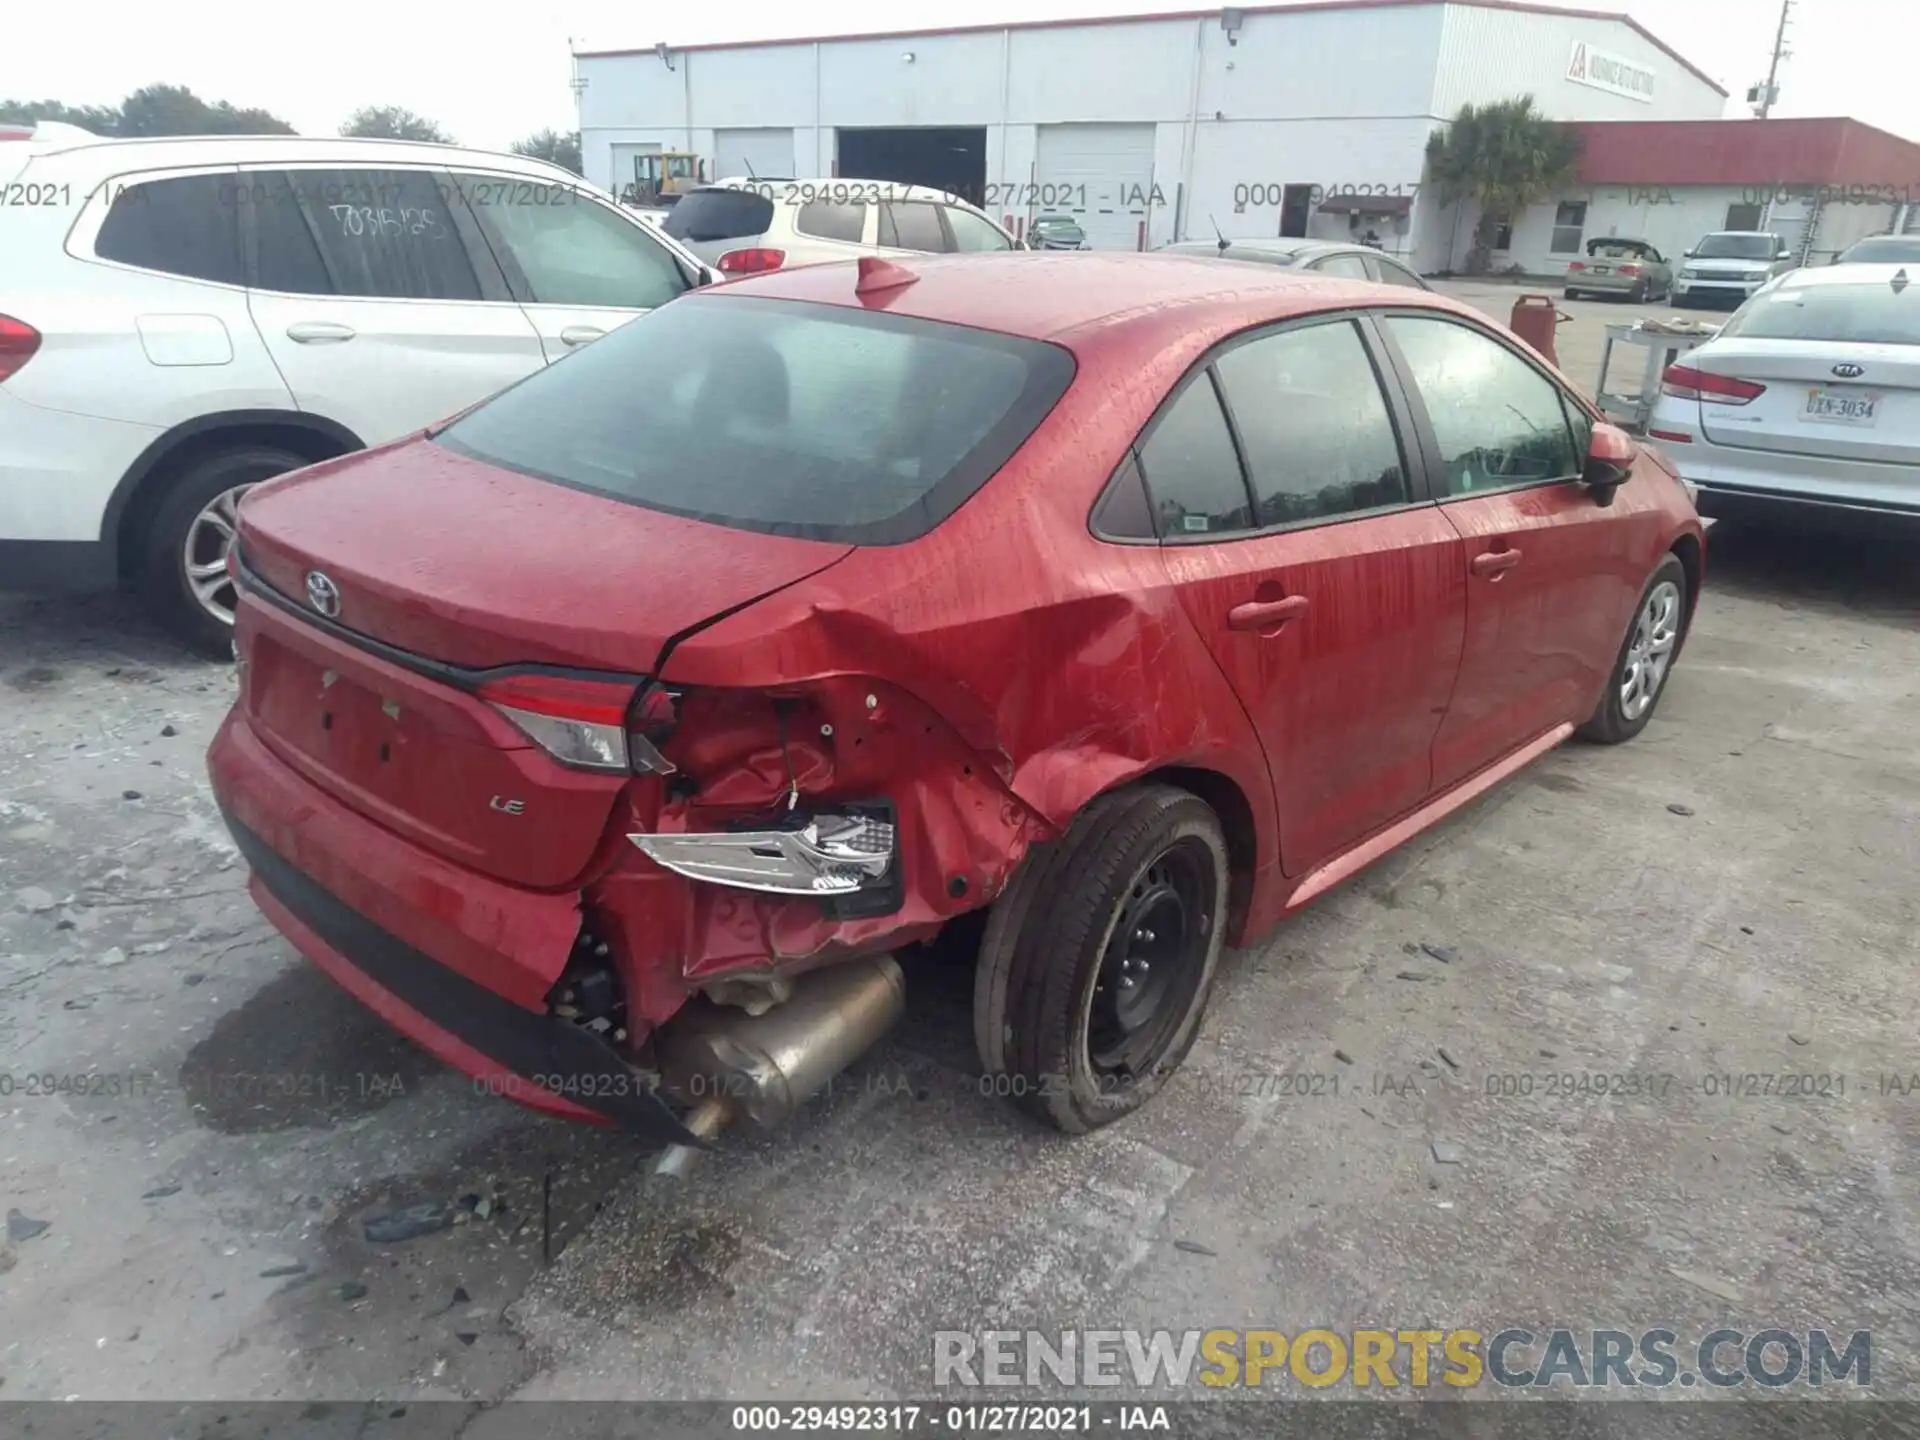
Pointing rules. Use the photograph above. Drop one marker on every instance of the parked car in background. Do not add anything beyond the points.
(746, 226)
(182, 318)
(1807, 400)
(1319, 257)
(1631, 269)
(1881, 250)
(1728, 266)
(1056, 232)
(1288, 568)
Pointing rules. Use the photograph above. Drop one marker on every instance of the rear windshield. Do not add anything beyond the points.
(1615, 249)
(1738, 247)
(1864, 314)
(719, 215)
(779, 416)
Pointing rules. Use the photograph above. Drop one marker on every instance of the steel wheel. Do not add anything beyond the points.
(203, 557)
(1155, 958)
(1655, 633)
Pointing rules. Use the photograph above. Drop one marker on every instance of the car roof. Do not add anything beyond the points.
(1072, 297)
(1871, 272)
(101, 155)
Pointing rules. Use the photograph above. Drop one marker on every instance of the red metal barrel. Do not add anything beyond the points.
(1534, 318)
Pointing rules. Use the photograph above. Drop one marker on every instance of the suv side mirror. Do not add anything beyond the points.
(1686, 255)
(1610, 456)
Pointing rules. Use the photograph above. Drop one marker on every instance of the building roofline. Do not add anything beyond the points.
(1522, 6)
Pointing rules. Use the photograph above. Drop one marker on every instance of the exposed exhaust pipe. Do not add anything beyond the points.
(730, 1065)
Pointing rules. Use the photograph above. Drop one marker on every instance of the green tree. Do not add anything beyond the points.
(1505, 156)
(393, 122)
(553, 146)
(100, 119)
(176, 110)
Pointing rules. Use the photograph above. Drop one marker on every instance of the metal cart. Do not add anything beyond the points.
(1663, 348)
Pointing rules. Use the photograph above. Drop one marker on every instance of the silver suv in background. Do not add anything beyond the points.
(744, 227)
(1729, 265)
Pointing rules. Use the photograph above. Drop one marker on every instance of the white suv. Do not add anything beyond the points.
(751, 225)
(181, 318)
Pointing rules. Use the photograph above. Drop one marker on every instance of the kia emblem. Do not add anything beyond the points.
(1849, 370)
(323, 594)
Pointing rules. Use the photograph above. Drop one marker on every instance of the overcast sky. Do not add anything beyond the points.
(490, 75)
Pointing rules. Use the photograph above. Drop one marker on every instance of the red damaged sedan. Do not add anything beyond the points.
(609, 738)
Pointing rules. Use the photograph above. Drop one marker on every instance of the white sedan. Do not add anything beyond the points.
(1808, 398)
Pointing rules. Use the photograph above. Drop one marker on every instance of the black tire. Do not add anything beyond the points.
(1047, 1011)
(163, 572)
(1610, 724)
(1638, 295)
(1570, 295)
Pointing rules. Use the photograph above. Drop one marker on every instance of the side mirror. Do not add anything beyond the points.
(1686, 255)
(1610, 457)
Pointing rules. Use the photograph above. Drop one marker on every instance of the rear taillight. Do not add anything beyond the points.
(1629, 270)
(582, 723)
(1573, 265)
(585, 723)
(1683, 382)
(752, 261)
(18, 341)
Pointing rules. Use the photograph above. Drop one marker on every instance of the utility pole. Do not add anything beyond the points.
(1770, 92)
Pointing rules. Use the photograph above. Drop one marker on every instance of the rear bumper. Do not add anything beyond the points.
(1736, 481)
(412, 937)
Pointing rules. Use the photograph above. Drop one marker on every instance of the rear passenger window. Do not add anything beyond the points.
(186, 226)
(912, 227)
(1317, 433)
(829, 220)
(379, 234)
(1193, 472)
(1348, 267)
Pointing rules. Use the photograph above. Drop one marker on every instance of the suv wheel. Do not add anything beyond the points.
(1099, 957)
(184, 568)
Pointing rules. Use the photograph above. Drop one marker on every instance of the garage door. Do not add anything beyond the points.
(1102, 175)
(752, 152)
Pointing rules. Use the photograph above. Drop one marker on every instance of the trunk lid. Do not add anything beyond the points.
(1808, 409)
(460, 567)
(462, 562)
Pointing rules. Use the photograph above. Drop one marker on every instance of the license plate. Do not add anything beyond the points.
(1602, 270)
(1833, 407)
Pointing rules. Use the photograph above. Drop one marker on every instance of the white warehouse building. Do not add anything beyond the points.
(1304, 119)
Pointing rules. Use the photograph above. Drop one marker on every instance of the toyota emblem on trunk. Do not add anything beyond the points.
(1849, 371)
(323, 594)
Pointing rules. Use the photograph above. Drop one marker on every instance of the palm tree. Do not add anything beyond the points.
(1505, 155)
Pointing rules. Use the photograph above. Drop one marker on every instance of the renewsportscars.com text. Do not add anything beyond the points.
(1390, 1358)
